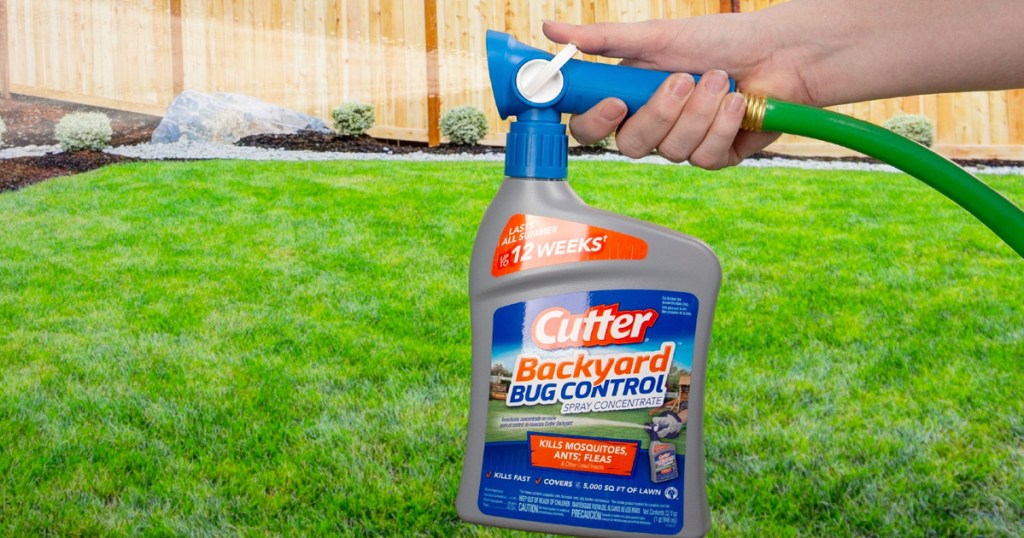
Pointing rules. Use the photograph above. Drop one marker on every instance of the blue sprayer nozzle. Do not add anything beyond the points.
(537, 146)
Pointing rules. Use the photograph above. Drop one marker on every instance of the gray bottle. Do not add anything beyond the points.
(674, 262)
(590, 336)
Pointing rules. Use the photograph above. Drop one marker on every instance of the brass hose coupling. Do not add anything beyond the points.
(753, 118)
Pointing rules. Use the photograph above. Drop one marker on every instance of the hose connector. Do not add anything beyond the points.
(753, 118)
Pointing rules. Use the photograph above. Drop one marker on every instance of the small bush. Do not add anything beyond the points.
(916, 127)
(602, 144)
(3, 129)
(83, 130)
(353, 119)
(464, 125)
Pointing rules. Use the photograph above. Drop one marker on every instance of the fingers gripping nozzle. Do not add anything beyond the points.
(525, 78)
(537, 88)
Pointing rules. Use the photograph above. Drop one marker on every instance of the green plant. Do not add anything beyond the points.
(602, 144)
(464, 125)
(83, 131)
(3, 129)
(353, 119)
(916, 127)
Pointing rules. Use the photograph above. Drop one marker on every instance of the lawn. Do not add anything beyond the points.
(282, 349)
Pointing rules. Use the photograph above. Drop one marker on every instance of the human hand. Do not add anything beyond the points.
(682, 120)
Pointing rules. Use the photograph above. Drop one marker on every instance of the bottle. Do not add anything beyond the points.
(662, 456)
(581, 317)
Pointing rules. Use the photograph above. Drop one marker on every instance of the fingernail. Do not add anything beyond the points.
(735, 103)
(682, 85)
(610, 112)
(717, 81)
(554, 23)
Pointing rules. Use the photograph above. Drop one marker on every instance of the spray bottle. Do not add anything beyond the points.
(662, 454)
(582, 317)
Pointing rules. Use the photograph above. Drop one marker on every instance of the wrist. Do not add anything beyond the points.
(801, 52)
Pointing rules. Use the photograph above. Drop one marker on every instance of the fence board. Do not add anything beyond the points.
(102, 51)
(311, 55)
(1015, 116)
(5, 66)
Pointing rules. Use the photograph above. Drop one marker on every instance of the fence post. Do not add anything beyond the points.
(177, 50)
(433, 75)
(728, 6)
(5, 58)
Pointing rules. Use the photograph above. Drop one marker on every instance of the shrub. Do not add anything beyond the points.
(464, 125)
(602, 144)
(353, 119)
(916, 127)
(83, 130)
(3, 129)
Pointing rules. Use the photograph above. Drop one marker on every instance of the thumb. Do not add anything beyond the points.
(634, 40)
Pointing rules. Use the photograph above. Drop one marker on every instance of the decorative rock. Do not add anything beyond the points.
(227, 117)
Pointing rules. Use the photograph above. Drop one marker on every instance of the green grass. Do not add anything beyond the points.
(225, 348)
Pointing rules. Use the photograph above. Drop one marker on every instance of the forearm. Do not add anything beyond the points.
(857, 50)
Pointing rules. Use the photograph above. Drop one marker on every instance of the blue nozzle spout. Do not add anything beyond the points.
(537, 146)
(585, 83)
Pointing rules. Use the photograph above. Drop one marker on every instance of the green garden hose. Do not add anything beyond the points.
(581, 85)
(999, 214)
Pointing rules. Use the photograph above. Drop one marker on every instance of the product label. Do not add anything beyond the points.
(581, 386)
(529, 241)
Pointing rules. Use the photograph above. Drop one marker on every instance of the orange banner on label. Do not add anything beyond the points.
(529, 241)
(601, 456)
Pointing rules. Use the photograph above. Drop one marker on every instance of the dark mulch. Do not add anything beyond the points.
(314, 141)
(23, 171)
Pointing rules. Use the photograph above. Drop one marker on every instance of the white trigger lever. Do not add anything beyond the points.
(541, 80)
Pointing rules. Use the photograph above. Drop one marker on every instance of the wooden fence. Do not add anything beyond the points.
(979, 125)
(409, 59)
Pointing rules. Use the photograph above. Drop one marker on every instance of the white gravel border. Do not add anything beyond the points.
(27, 151)
(198, 150)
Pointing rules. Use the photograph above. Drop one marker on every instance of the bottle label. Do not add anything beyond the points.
(529, 241)
(580, 383)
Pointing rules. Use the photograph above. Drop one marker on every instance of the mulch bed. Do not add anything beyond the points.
(23, 171)
(30, 121)
(314, 141)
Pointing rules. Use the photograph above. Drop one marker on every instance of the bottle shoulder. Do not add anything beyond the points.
(556, 199)
(539, 213)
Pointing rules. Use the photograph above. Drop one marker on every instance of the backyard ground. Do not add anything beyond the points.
(30, 121)
(283, 349)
